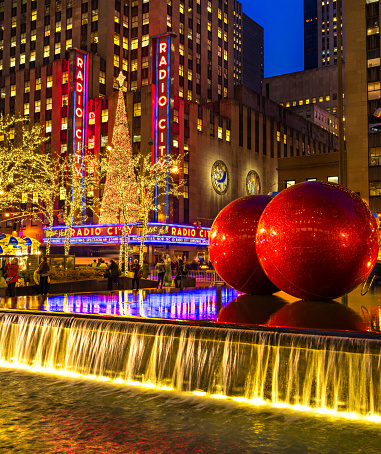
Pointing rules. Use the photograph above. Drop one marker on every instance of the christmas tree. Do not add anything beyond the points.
(120, 200)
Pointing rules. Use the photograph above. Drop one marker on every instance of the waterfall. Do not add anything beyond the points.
(320, 372)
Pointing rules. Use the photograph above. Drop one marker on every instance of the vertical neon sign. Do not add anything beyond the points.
(79, 68)
(162, 115)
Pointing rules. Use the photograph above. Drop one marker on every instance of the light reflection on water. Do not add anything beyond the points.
(197, 304)
(49, 414)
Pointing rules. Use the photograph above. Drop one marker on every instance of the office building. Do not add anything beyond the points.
(320, 33)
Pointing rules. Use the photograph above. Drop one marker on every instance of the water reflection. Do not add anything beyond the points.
(197, 304)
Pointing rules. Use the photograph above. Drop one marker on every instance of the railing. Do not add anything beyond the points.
(199, 275)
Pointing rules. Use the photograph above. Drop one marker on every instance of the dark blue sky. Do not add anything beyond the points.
(283, 24)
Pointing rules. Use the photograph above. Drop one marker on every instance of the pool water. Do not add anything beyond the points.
(196, 304)
(41, 413)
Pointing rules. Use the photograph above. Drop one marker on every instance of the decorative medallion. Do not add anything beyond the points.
(220, 177)
(253, 183)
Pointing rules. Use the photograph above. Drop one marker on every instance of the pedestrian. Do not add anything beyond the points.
(135, 268)
(181, 272)
(160, 268)
(43, 271)
(94, 264)
(168, 273)
(12, 271)
(113, 275)
(145, 269)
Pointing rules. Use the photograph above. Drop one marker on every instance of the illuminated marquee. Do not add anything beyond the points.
(110, 234)
(162, 80)
(79, 65)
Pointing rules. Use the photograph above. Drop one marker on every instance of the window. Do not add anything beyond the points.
(116, 61)
(125, 64)
(116, 39)
(57, 48)
(37, 106)
(63, 147)
(46, 51)
(48, 126)
(22, 59)
(69, 23)
(104, 116)
(13, 90)
(134, 43)
(137, 109)
(34, 15)
(65, 77)
(64, 100)
(327, 98)
(311, 179)
(92, 118)
(63, 123)
(134, 65)
(27, 86)
(333, 179)
(49, 81)
(102, 77)
(13, 62)
(145, 18)
(94, 15)
(199, 124)
(26, 108)
(227, 135)
(290, 183)
(219, 132)
(145, 40)
(49, 103)
(125, 43)
(104, 140)
(69, 43)
(47, 30)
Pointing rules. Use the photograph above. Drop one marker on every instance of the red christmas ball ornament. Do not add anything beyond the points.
(317, 240)
(318, 315)
(250, 309)
(232, 245)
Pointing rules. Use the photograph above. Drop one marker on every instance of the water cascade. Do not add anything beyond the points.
(321, 372)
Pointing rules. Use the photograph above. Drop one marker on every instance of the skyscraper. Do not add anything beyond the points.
(320, 33)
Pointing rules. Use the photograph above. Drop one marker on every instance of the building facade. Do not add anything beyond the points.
(320, 33)
(315, 86)
(363, 98)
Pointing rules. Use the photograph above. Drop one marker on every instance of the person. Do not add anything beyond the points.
(160, 268)
(43, 271)
(94, 264)
(12, 271)
(145, 269)
(113, 275)
(168, 273)
(3, 266)
(181, 271)
(135, 268)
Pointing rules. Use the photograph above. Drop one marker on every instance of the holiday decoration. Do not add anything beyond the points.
(250, 309)
(323, 315)
(120, 204)
(232, 245)
(317, 240)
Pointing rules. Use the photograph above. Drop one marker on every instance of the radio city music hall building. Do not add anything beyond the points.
(182, 62)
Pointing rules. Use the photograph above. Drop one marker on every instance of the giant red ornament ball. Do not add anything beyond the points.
(232, 245)
(317, 240)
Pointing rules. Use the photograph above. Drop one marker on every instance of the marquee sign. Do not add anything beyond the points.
(163, 100)
(78, 98)
(110, 234)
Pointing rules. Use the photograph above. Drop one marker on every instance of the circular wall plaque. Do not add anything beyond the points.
(220, 177)
(253, 183)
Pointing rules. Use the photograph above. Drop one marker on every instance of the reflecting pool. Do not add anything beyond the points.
(195, 304)
(48, 414)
